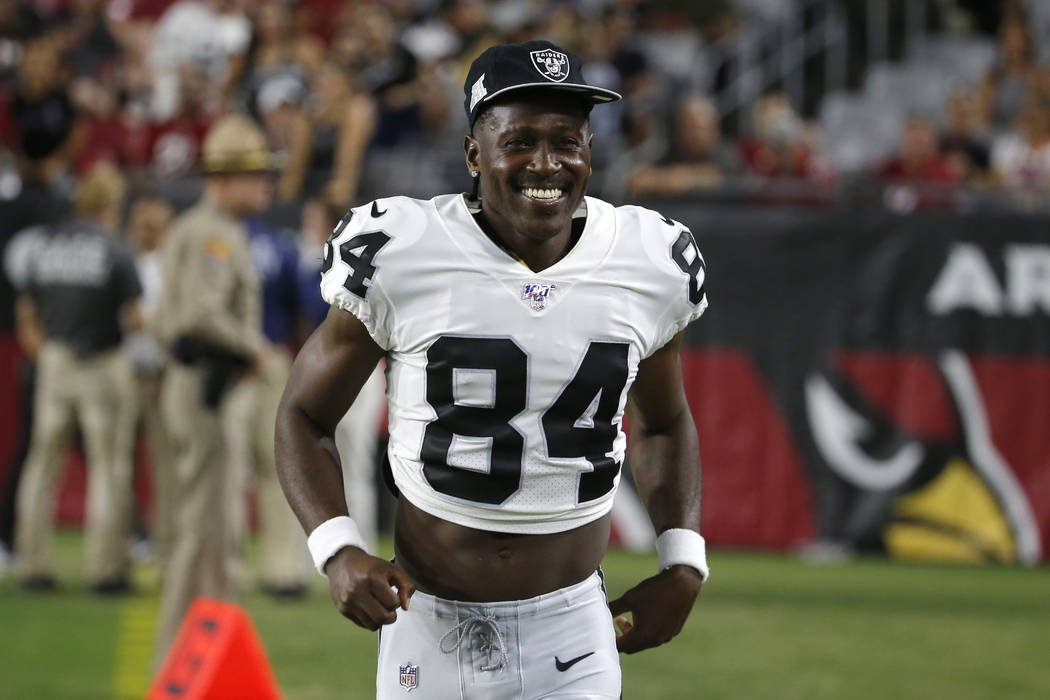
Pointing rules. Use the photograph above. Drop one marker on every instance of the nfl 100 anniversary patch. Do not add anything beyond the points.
(537, 294)
(552, 65)
(409, 676)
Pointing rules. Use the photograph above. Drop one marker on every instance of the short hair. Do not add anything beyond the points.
(483, 118)
(103, 186)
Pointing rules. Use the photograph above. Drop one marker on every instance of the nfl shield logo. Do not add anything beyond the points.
(552, 65)
(537, 294)
(409, 677)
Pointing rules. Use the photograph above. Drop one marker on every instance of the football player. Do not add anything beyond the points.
(519, 324)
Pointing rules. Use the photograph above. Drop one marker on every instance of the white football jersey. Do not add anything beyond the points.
(506, 388)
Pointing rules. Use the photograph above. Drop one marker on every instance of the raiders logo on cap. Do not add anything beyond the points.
(552, 65)
(506, 68)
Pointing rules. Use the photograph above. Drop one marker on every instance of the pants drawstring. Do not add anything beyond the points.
(481, 623)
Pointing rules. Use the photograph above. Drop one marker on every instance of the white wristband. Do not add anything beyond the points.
(331, 536)
(682, 546)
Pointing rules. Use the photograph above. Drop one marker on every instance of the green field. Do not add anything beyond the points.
(766, 626)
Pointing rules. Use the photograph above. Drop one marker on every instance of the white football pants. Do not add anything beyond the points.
(557, 645)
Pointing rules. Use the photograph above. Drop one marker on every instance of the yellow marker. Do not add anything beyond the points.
(138, 626)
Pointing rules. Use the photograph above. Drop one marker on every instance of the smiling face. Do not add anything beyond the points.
(534, 157)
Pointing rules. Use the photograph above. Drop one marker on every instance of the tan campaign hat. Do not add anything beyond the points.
(235, 144)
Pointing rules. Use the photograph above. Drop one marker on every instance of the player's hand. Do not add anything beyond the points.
(361, 587)
(659, 605)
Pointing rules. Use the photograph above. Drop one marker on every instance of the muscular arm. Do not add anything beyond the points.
(665, 457)
(665, 461)
(330, 370)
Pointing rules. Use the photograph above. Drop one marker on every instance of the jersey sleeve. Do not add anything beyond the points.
(679, 256)
(352, 273)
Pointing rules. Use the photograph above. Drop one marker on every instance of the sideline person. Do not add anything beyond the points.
(210, 319)
(82, 296)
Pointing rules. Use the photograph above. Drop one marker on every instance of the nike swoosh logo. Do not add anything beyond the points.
(566, 665)
(375, 210)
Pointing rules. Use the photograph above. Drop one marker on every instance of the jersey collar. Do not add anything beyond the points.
(594, 243)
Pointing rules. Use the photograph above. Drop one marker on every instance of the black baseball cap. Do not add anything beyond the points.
(531, 65)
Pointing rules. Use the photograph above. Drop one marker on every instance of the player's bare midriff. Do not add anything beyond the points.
(462, 563)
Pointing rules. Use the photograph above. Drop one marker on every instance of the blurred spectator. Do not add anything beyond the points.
(134, 123)
(468, 21)
(1015, 73)
(279, 104)
(410, 100)
(1021, 159)
(81, 296)
(600, 39)
(342, 123)
(175, 143)
(250, 416)
(642, 127)
(320, 216)
(641, 142)
(278, 50)
(697, 159)
(104, 136)
(316, 17)
(781, 144)
(204, 36)
(41, 109)
(918, 158)
(93, 48)
(18, 22)
(31, 199)
(964, 139)
(137, 11)
(33, 193)
(148, 222)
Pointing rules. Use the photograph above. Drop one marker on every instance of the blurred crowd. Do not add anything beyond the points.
(106, 106)
(344, 87)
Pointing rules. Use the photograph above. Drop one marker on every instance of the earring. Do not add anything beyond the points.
(473, 173)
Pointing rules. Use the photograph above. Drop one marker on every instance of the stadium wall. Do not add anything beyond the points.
(874, 382)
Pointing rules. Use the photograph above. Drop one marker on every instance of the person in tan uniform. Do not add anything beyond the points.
(80, 297)
(209, 316)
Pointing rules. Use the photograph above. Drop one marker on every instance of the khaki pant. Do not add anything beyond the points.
(200, 549)
(93, 392)
(248, 425)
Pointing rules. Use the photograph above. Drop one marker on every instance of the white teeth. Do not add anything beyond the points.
(542, 194)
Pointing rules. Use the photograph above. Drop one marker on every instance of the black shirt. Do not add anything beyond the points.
(79, 280)
(36, 204)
